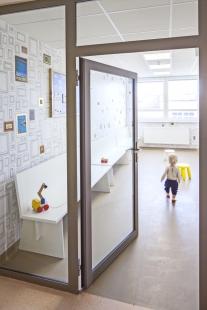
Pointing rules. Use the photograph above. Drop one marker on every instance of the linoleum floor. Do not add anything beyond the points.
(159, 269)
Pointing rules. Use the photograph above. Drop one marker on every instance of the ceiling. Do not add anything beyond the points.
(109, 21)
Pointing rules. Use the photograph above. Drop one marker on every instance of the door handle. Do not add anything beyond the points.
(135, 150)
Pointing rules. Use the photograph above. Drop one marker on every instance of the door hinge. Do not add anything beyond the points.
(79, 267)
(77, 78)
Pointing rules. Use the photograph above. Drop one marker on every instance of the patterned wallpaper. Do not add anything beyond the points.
(194, 134)
(18, 153)
(111, 104)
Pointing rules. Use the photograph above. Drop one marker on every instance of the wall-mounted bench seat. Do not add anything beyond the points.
(43, 232)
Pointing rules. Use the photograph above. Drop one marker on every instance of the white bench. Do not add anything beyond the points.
(43, 232)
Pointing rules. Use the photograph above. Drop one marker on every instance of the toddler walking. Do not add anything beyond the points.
(173, 177)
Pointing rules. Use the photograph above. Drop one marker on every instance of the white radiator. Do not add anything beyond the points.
(167, 135)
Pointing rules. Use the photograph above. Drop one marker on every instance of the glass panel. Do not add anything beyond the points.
(33, 238)
(150, 114)
(112, 165)
(150, 95)
(122, 20)
(183, 94)
(183, 114)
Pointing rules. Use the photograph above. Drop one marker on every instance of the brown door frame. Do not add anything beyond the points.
(89, 275)
(74, 51)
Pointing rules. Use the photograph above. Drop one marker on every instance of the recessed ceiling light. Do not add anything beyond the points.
(161, 73)
(156, 56)
(164, 66)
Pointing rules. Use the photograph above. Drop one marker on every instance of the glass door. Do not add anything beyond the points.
(109, 156)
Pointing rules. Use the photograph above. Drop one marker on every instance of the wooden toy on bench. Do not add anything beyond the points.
(40, 205)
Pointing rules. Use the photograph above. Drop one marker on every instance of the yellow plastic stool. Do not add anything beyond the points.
(182, 167)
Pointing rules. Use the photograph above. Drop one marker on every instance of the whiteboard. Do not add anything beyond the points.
(167, 135)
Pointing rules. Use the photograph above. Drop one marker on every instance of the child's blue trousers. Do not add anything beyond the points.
(173, 184)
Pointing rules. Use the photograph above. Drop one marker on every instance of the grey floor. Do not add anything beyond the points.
(159, 269)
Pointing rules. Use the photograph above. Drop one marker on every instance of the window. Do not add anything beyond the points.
(183, 95)
(169, 98)
(150, 99)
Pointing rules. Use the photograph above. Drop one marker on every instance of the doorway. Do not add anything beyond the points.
(157, 258)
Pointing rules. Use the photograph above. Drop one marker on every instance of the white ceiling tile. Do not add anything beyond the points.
(59, 23)
(88, 8)
(181, 1)
(131, 59)
(183, 66)
(146, 35)
(98, 40)
(94, 26)
(56, 12)
(23, 17)
(184, 53)
(185, 15)
(45, 31)
(185, 32)
(189, 61)
(120, 5)
(153, 19)
(57, 44)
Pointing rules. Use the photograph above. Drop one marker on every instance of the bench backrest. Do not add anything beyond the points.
(53, 173)
(101, 147)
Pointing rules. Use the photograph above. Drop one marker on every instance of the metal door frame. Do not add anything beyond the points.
(89, 275)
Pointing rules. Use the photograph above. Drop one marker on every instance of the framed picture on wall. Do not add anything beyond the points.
(21, 124)
(47, 59)
(8, 126)
(20, 69)
(32, 115)
(57, 93)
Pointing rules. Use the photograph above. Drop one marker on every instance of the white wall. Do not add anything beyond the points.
(18, 153)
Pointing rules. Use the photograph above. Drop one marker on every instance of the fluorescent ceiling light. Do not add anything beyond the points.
(162, 73)
(164, 66)
(157, 56)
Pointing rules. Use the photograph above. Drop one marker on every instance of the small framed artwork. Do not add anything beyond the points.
(32, 115)
(21, 124)
(57, 93)
(47, 59)
(42, 149)
(41, 102)
(24, 49)
(8, 126)
(20, 69)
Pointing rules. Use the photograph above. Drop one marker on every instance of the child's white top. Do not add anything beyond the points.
(172, 173)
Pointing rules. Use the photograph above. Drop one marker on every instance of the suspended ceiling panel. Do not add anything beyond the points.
(121, 5)
(99, 40)
(146, 35)
(88, 8)
(142, 20)
(185, 15)
(97, 25)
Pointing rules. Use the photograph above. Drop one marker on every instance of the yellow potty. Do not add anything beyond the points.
(183, 168)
